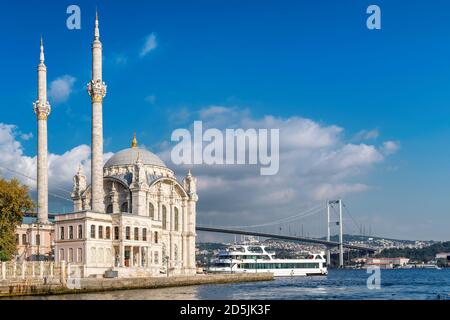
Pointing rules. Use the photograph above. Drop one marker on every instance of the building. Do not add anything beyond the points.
(34, 240)
(134, 217)
(387, 263)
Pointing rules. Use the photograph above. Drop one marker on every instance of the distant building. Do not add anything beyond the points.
(387, 263)
(443, 255)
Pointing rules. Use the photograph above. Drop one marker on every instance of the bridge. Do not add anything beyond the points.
(328, 244)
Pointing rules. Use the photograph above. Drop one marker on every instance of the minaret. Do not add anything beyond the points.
(42, 110)
(97, 91)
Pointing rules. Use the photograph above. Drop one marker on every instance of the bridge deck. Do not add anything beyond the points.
(283, 237)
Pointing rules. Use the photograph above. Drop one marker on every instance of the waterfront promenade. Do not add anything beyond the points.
(27, 287)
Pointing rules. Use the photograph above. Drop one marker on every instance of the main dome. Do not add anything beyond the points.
(130, 155)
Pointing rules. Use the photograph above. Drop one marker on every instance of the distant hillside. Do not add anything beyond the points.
(424, 254)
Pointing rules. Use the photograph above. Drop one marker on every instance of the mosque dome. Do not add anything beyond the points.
(130, 155)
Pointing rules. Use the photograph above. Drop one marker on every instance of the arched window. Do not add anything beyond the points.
(92, 232)
(156, 237)
(176, 222)
(61, 233)
(164, 217)
(70, 232)
(144, 234)
(100, 232)
(24, 239)
(38, 239)
(127, 233)
(136, 233)
(80, 231)
(109, 209)
(108, 233)
(151, 210)
(124, 207)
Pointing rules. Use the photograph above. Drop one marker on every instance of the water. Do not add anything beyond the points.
(339, 284)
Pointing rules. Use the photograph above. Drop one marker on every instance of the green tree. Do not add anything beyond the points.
(14, 202)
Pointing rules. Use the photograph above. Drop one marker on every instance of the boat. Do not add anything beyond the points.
(251, 258)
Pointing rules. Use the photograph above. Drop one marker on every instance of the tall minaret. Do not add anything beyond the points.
(42, 110)
(97, 91)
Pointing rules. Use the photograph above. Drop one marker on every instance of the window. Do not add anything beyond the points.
(136, 233)
(79, 255)
(100, 232)
(164, 217)
(151, 210)
(127, 233)
(124, 207)
(70, 232)
(144, 234)
(24, 239)
(38, 239)
(61, 233)
(116, 233)
(70, 258)
(156, 258)
(108, 233)
(156, 237)
(61, 255)
(17, 239)
(176, 220)
(109, 209)
(80, 231)
(92, 232)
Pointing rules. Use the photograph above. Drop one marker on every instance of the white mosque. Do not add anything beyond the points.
(134, 217)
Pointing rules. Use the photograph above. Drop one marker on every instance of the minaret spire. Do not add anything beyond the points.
(42, 109)
(97, 91)
(96, 29)
(42, 56)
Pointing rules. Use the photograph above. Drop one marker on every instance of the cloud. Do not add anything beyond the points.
(367, 135)
(390, 147)
(317, 163)
(150, 44)
(62, 167)
(61, 88)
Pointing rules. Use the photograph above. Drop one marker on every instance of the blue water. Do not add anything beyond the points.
(339, 284)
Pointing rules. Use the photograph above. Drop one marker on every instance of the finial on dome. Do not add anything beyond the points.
(134, 143)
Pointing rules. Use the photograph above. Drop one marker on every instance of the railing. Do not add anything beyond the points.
(39, 270)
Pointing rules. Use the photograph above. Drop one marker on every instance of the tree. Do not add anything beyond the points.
(14, 202)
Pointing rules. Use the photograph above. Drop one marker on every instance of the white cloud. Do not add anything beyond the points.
(390, 147)
(316, 163)
(150, 44)
(61, 88)
(367, 135)
(62, 167)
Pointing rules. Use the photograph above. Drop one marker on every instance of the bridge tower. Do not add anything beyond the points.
(341, 231)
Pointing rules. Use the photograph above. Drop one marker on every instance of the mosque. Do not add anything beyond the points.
(134, 217)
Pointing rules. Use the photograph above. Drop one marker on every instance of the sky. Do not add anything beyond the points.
(363, 114)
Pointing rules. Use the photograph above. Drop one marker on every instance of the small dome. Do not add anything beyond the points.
(129, 156)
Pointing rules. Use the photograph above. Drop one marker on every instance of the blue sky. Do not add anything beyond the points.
(310, 59)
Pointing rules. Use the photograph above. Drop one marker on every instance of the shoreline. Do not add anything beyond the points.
(10, 289)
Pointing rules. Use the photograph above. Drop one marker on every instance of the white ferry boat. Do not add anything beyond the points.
(255, 258)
